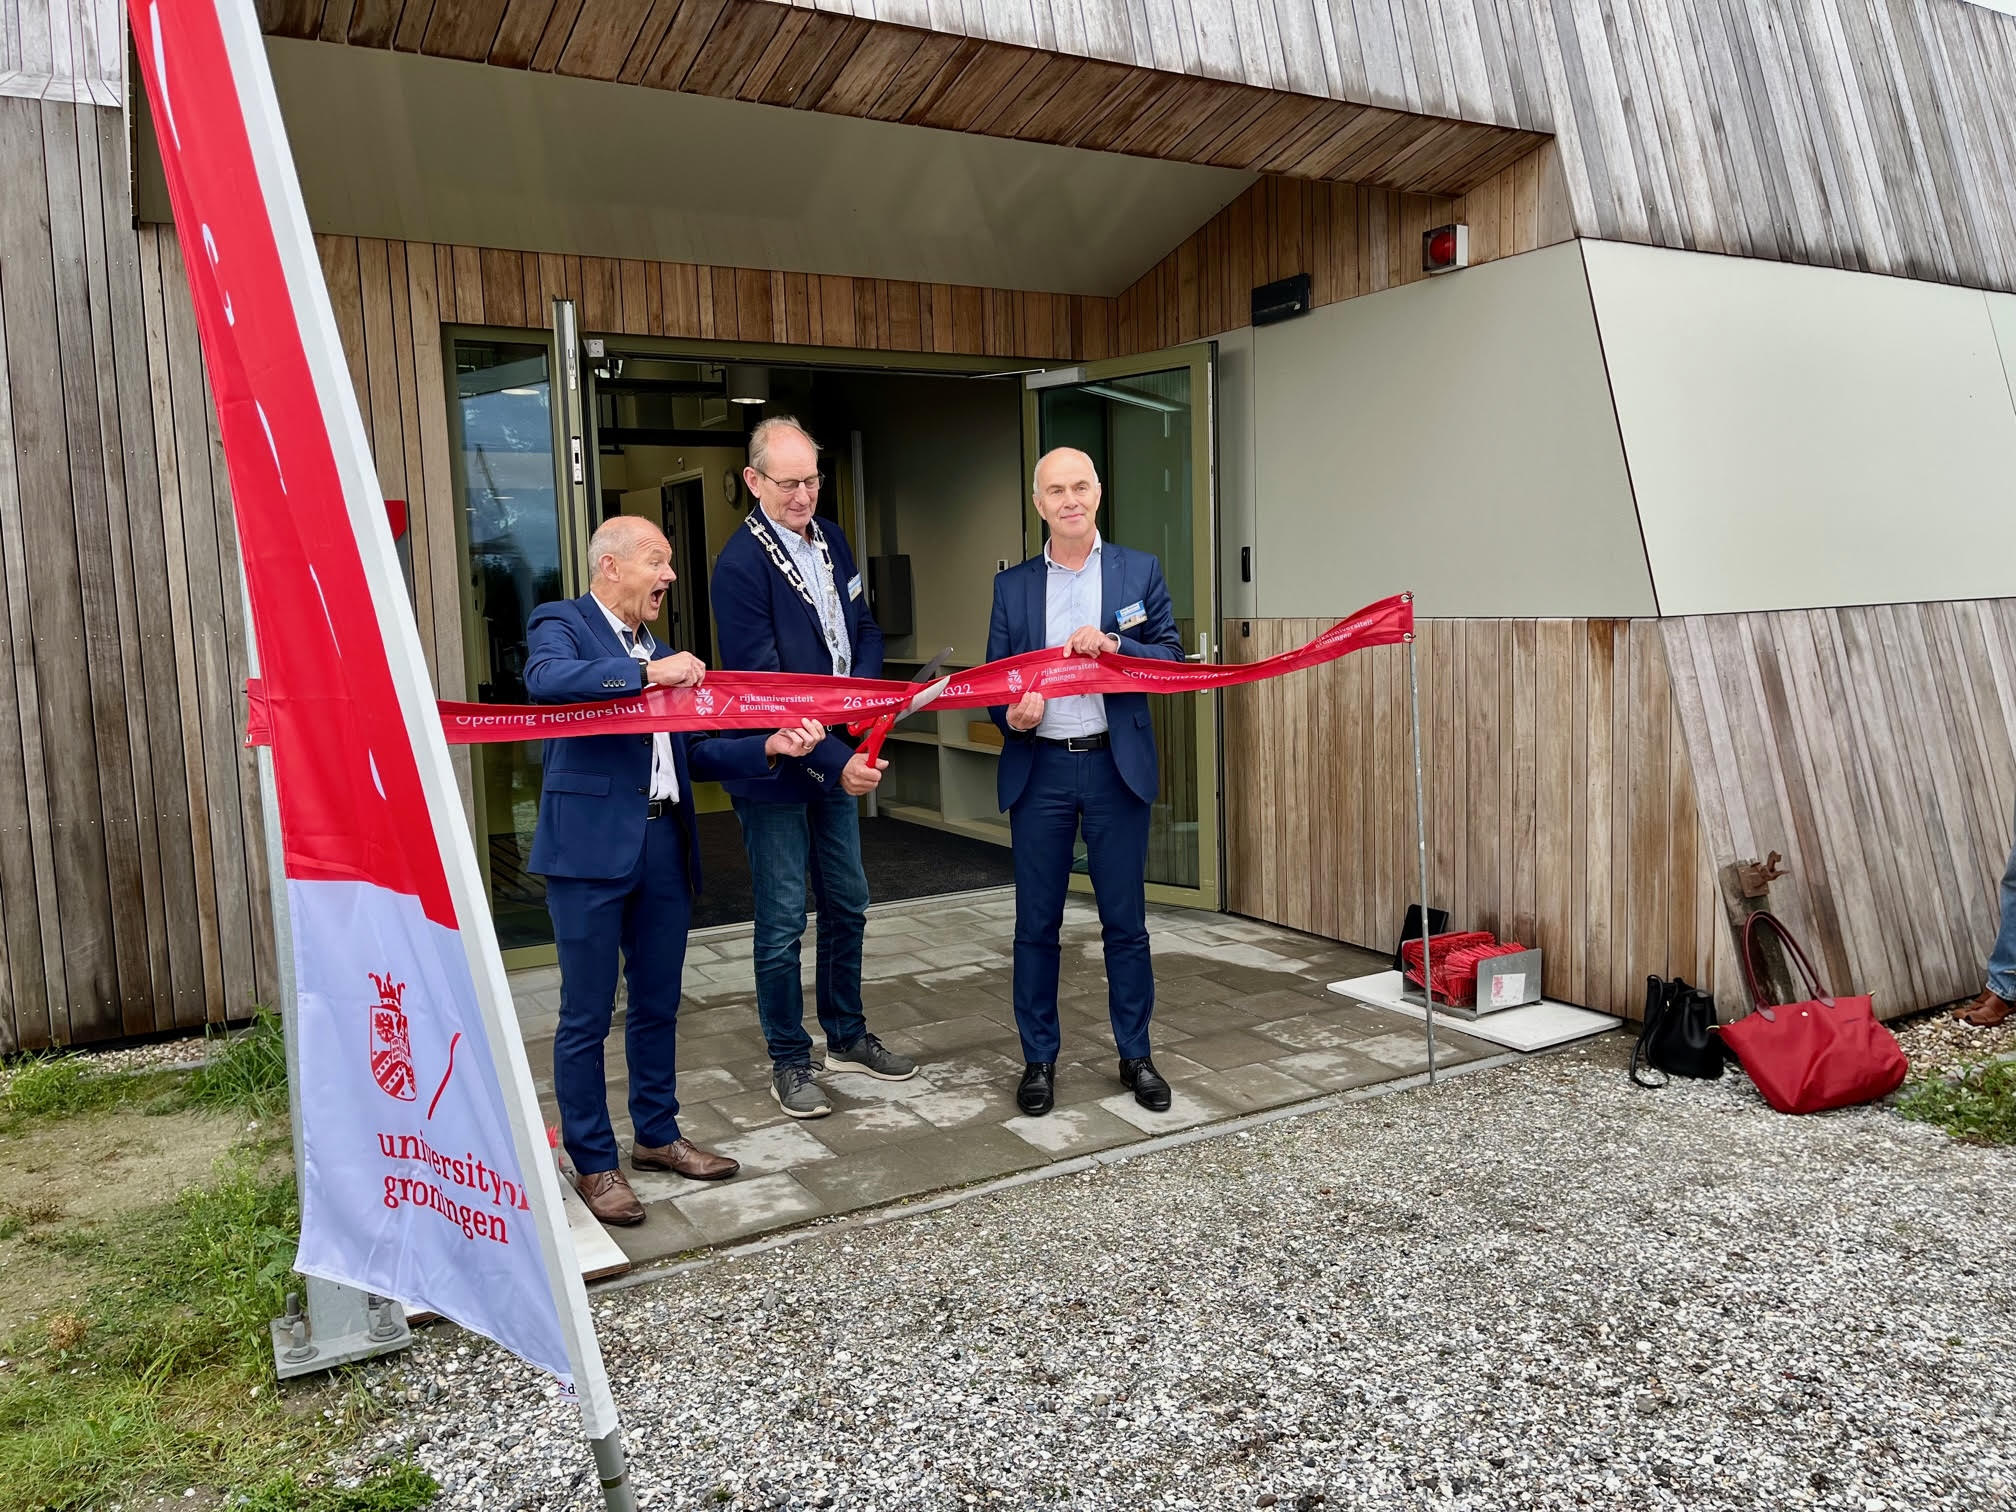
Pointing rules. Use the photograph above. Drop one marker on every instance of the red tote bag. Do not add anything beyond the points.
(1807, 1057)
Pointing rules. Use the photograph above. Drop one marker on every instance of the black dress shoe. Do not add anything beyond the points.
(1038, 1092)
(1149, 1089)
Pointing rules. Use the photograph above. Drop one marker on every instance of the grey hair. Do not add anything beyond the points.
(759, 439)
(619, 536)
(1035, 483)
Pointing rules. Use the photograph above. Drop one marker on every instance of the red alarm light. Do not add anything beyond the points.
(1445, 248)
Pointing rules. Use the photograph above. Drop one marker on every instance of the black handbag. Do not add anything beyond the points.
(1679, 1037)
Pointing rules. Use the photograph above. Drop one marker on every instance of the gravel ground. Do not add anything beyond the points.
(1533, 1287)
(1939, 1042)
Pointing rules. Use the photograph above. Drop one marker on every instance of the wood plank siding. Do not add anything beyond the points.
(1006, 83)
(1561, 808)
(132, 874)
(1875, 750)
(1870, 134)
(1350, 239)
(1586, 781)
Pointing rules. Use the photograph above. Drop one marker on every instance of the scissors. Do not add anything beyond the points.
(878, 731)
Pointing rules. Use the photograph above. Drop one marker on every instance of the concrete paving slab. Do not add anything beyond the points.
(1234, 1047)
(1247, 1088)
(1065, 1132)
(734, 1209)
(1187, 1108)
(851, 1130)
(1243, 1023)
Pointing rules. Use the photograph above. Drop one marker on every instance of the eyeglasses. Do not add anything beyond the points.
(810, 482)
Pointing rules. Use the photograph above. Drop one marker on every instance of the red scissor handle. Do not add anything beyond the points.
(877, 733)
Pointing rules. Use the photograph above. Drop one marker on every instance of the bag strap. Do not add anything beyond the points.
(1655, 1009)
(1792, 949)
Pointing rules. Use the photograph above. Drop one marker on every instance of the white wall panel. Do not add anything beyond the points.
(1802, 437)
(1454, 437)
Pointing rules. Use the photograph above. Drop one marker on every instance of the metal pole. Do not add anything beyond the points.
(276, 887)
(617, 1493)
(1421, 848)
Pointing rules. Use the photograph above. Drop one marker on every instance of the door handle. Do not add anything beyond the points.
(1203, 651)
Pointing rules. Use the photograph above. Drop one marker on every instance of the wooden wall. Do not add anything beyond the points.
(1561, 806)
(1349, 238)
(1875, 749)
(1868, 134)
(132, 879)
(1019, 81)
(63, 50)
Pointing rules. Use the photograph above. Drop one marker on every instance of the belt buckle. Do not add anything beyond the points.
(1080, 744)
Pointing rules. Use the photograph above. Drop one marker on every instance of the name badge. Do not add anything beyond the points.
(1134, 614)
(854, 586)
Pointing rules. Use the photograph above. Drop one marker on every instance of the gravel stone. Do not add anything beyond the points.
(1937, 1042)
(1532, 1287)
(180, 1054)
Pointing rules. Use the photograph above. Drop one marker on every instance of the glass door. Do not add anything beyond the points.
(511, 518)
(1148, 424)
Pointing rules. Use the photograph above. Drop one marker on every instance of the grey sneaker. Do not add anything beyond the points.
(797, 1094)
(877, 1059)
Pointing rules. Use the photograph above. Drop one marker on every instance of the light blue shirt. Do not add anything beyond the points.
(825, 594)
(1072, 599)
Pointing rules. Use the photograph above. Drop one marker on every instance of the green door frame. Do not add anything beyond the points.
(1200, 359)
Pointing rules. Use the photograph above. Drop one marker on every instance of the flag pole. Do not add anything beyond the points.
(339, 1325)
(1421, 852)
(244, 48)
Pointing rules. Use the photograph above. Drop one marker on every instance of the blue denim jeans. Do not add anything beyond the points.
(790, 844)
(2002, 960)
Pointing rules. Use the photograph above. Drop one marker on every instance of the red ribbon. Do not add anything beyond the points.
(767, 700)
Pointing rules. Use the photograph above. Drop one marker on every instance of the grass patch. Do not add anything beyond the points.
(62, 1086)
(160, 1376)
(1976, 1105)
(402, 1488)
(245, 1071)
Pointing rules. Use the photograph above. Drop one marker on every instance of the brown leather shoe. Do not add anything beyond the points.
(686, 1158)
(609, 1198)
(1986, 1011)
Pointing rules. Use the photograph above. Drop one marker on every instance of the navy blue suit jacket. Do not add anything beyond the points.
(596, 788)
(1019, 624)
(764, 626)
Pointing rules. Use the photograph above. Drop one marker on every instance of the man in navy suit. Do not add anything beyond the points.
(1082, 758)
(617, 848)
(787, 597)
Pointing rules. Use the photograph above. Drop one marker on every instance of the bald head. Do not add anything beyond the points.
(630, 567)
(1067, 496)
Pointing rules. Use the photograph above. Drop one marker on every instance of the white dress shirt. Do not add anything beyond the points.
(1071, 599)
(664, 774)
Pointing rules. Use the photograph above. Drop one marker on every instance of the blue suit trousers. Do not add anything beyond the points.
(1065, 789)
(644, 916)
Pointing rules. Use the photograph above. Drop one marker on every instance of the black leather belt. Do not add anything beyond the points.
(1076, 742)
(661, 808)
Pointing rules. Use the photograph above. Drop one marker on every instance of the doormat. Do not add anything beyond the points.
(1537, 1026)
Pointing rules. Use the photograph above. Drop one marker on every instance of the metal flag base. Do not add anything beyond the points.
(341, 1326)
(1421, 849)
